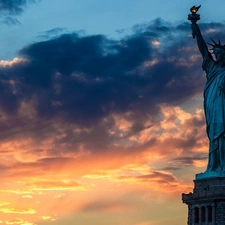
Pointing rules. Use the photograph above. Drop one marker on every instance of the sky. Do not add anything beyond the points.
(101, 110)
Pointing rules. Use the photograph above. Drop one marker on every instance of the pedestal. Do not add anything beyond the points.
(206, 204)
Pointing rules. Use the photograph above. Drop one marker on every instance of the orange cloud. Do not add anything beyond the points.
(4, 203)
(19, 221)
(53, 185)
(48, 218)
(137, 160)
(117, 207)
(27, 196)
(17, 211)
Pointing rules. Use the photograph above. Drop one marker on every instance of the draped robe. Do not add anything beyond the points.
(214, 106)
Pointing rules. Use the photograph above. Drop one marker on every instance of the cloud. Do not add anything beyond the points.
(17, 211)
(5, 63)
(48, 218)
(14, 7)
(171, 168)
(191, 160)
(27, 196)
(52, 185)
(10, 21)
(155, 180)
(153, 176)
(4, 203)
(113, 114)
(11, 8)
(83, 79)
(19, 221)
(83, 150)
(107, 206)
(73, 101)
(51, 34)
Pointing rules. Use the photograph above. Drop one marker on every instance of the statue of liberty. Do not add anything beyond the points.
(214, 99)
(206, 204)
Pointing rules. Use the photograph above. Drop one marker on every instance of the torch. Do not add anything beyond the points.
(194, 17)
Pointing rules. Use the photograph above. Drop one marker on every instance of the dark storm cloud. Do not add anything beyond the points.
(81, 79)
(14, 7)
(11, 8)
(97, 76)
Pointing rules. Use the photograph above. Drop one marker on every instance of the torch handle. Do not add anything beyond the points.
(193, 33)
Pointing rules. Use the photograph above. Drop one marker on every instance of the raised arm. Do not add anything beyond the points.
(200, 41)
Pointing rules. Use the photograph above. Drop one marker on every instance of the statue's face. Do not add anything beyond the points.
(219, 54)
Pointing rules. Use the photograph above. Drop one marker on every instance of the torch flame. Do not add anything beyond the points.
(194, 9)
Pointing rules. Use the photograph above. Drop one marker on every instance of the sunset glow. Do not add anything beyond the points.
(101, 111)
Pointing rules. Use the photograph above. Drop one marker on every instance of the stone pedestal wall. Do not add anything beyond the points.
(206, 204)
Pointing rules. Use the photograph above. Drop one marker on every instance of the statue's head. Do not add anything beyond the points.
(219, 54)
(218, 51)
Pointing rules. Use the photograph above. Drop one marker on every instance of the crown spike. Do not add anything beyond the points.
(213, 41)
(210, 44)
(216, 45)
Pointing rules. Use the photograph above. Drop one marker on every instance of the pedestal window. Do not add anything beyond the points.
(203, 214)
(209, 207)
(196, 212)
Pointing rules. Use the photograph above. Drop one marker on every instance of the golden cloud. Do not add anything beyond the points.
(17, 211)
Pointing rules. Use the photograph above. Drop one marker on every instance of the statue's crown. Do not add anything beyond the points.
(216, 45)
